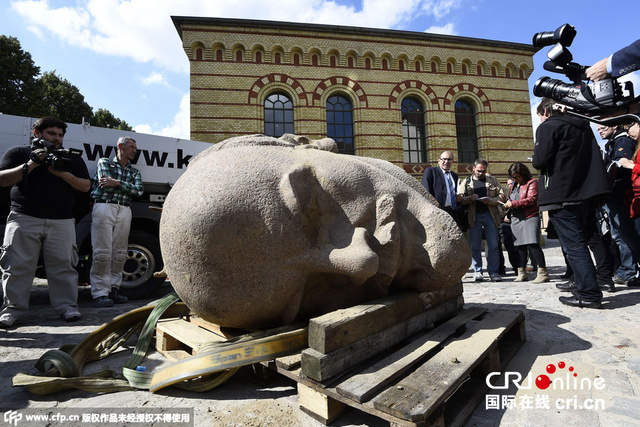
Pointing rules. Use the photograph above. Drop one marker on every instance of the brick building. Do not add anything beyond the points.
(396, 95)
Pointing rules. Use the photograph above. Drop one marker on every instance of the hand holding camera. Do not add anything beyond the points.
(59, 159)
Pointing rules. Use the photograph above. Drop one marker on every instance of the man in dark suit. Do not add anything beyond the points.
(442, 183)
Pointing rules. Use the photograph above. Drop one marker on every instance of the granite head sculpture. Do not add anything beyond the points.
(260, 232)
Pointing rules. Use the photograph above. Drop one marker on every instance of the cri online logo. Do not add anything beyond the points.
(543, 381)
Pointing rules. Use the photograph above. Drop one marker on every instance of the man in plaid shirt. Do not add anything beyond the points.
(114, 184)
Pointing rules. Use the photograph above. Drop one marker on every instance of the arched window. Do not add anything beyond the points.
(332, 61)
(367, 63)
(219, 55)
(278, 115)
(434, 67)
(417, 65)
(314, 60)
(340, 123)
(239, 56)
(350, 62)
(258, 57)
(464, 68)
(479, 70)
(296, 59)
(277, 58)
(414, 141)
(198, 54)
(449, 68)
(384, 63)
(466, 131)
(401, 65)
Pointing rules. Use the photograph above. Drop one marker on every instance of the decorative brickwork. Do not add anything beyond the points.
(236, 64)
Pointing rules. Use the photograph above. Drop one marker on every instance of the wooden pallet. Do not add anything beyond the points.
(411, 359)
(437, 379)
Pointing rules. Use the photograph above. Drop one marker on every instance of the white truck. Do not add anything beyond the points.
(160, 160)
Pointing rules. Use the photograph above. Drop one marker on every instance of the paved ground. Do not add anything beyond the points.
(600, 345)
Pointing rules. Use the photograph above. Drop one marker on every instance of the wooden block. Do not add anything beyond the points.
(362, 386)
(318, 405)
(172, 334)
(419, 395)
(341, 328)
(320, 367)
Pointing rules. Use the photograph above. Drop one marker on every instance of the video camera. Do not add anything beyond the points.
(597, 98)
(59, 159)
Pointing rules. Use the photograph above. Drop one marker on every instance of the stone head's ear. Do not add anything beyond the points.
(299, 192)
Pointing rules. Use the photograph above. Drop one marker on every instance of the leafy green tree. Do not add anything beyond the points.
(23, 93)
(105, 119)
(18, 83)
(62, 99)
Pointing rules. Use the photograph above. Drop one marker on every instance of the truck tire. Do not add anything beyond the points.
(143, 259)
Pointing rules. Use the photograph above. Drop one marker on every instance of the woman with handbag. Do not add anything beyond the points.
(525, 221)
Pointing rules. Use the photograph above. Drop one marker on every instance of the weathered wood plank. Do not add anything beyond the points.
(217, 329)
(369, 382)
(289, 362)
(321, 367)
(341, 328)
(415, 397)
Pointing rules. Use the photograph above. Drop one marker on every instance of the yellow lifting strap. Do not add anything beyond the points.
(212, 366)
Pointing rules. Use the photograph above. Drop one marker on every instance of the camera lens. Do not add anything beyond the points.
(552, 88)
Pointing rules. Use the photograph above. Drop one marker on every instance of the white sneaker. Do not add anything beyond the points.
(71, 315)
(7, 320)
(478, 277)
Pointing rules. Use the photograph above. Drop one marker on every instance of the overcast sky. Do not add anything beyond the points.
(126, 56)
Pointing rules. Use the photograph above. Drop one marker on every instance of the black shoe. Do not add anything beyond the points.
(103, 302)
(618, 281)
(116, 297)
(635, 283)
(566, 286)
(574, 301)
(607, 287)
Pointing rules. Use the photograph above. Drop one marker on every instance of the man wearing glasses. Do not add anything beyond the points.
(442, 183)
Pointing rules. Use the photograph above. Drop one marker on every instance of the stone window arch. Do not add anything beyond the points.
(414, 137)
(466, 130)
(340, 122)
(278, 115)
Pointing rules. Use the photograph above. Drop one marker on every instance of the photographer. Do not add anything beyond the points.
(572, 179)
(41, 218)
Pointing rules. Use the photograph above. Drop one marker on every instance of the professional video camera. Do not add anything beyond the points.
(59, 159)
(595, 98)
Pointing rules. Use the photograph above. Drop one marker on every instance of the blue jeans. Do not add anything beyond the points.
(571, 223)
(627, 238)
(484, 221)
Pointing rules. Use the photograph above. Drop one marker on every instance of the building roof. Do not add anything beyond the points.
(180, 21)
